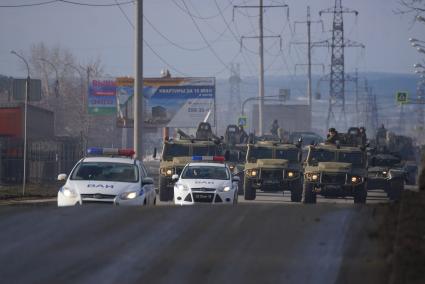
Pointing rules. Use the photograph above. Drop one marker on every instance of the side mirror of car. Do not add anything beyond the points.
(147, 181)
(236, 178)
(174, 177)
(62, 177)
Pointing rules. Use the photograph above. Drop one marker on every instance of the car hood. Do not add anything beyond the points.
(205, 183)
(103, 187)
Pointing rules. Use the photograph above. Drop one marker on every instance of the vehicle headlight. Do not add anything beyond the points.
(131, 194)
(167, 171)
(312, 176)
(232, 167)
(384, 173)
(225, 189)
(68, 192)
(252, 173)
(356, 179)
(182, 187)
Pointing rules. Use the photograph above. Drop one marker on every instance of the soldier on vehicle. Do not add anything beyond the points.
(332, 136)
(274, 128)
(243, 137)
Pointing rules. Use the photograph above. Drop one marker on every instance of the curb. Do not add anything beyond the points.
(27, 201)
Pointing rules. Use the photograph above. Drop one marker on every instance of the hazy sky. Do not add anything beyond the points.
(105, 33)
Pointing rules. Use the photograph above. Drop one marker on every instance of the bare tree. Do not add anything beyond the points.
(416, 7)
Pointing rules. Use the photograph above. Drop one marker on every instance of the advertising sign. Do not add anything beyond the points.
(102, 99)
(179, 102)
(124, 95)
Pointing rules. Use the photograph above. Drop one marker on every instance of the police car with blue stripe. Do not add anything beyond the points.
(107, 175)
(206, 180)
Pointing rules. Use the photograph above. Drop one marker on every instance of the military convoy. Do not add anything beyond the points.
(338, 169)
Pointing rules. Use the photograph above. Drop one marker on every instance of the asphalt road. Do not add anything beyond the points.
(264, 241)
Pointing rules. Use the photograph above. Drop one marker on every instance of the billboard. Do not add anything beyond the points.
(179, 102)
(124, 95)
(102, 97)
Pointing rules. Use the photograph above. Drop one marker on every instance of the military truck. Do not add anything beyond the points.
(273, 166)
(177, 153)
(332, 170)
(386, 172)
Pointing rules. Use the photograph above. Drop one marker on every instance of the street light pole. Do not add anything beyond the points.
(83, 114)
(27, 92)
(56, 72)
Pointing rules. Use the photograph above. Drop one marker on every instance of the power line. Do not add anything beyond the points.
(178, 45)
(96, 5)
(29, 5)
(66, 2)
(148, 45)
(203, 37)
(186, 11)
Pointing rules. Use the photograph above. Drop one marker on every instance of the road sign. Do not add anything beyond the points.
(243, 121)
(402, 97)
(19, 89)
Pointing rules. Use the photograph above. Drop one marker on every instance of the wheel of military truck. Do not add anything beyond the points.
(296, 191)
(165, 193)
(249, 192)
(309, 195)
(360, 194)
(396, 187)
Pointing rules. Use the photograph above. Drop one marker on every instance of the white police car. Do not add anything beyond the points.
(107, 176)
(206, 180)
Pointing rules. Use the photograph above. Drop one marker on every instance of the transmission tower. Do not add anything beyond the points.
(336, 111)
(234, 105)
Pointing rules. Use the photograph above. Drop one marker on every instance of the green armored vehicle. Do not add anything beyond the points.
(386, 172)
(273, 166)
(177, 153)
(335, 171)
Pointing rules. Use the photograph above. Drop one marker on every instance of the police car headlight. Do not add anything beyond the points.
(225, 189)
(182, 187)
(131, 194)
(68, 192)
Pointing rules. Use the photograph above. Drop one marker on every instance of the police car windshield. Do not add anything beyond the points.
(322, 155)
(356, 159)
(290, 154)
(175, 150)
(106, 171)
(208, 150)
(255, 153)
(205, 172)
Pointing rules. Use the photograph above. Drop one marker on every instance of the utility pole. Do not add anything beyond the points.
(310, 46)
(235, 92)
(138, 83)
(261, 53)
(337, 77)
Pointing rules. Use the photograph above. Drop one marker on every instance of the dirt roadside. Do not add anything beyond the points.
(32, 192)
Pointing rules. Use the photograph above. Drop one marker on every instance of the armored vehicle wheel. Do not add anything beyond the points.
(165, 193)
(241, 185)
(296, 191)
(360, 194)
(249, 192)
(309, 195)
(395, 189)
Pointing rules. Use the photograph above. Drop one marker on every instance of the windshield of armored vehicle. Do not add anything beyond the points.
(255, 153)
(287, 154)
(205, 150)
(175, 150)
(322, 155)
(235, 157)
(354, 158)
